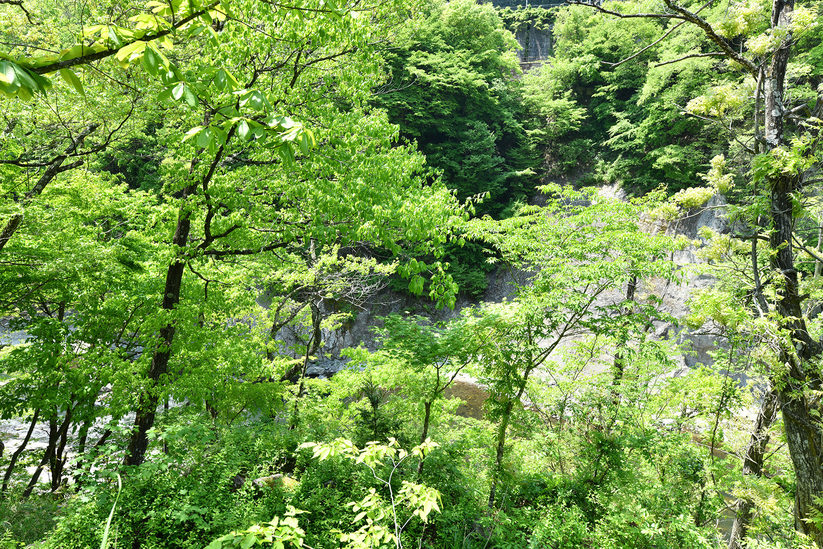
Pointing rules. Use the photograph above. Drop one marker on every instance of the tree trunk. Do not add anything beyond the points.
(149, 398)
(45, 460)
(753, 465)
(427, 411)
(501, 446)
(803, 432)
(58, 458)
(311, 347)
(804, 438)
(619, 364)
(16, 455)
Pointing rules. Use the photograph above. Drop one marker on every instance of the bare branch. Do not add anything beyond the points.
(726, 46)
(646, 15)
(666, 35)
(689, 56)
(645, 48)
(681, 13)
(19, 4)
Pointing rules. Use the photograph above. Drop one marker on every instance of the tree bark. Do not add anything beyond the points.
(803, 432)
(619, 364)
(804, 437)
(753, 465)
(58, 458)
(500, 448)
(311, 347)
(427, 412)
(149, 398)
(45, 460)
(16, 455)
(501, 433)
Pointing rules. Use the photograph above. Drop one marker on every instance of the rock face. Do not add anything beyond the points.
(697, 342)
(697, 345)
(536, 44)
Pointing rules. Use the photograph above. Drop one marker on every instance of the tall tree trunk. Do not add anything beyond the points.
(753, 465)
(149, 397)
(804, 436)
(619, 364)
(803, 432)
(501, 432)
(311, 347)
(58, 457)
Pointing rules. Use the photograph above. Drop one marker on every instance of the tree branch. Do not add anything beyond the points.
(682, 14)
(96, 56)
(666, 35)
(19, 4)
(689, 56)
(712, 35)
(647, 15)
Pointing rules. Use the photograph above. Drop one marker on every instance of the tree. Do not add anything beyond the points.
(783, 149)
(567, 257)
(238, 172)
(452, 91)
(424, 358)
(74, 283)
(620, 119)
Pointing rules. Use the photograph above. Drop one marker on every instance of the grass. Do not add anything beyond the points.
(27, 521)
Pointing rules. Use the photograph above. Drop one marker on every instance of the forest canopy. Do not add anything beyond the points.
(348, 273)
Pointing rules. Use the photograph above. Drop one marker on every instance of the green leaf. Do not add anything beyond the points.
(72, 80)
(204, 138)
(7, 73)
(189, 97)
(105, 542)
(130, 52)
(8, 79)
(152, 61)
(243, 129)
(248, 541)
(71, 53)
(24, 94)
(182, 92)
(114, 37)
(416, 284)
(256, 100)
(221, 79)
(304, 143)
(192, 132)
(286, 153)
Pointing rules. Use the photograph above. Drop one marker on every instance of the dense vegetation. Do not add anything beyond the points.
(184, 182)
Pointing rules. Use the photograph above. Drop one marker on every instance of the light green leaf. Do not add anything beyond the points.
(128, 53)
(7, 73)
(192, 132)
(152, 61)
(72, 80)
(249, 540)
(243, 129)
(204, 138)
(178, 91)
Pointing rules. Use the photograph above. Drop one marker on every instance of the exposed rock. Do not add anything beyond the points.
(269, 481)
